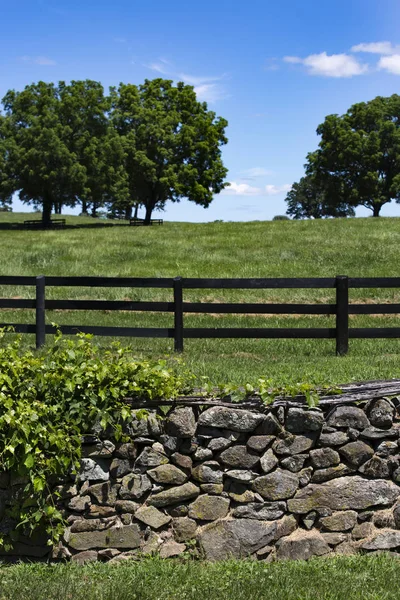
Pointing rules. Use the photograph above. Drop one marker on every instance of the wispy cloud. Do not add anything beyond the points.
(39, 60)
(207, 88)
(329, 65)
(256, 172)
(391, 64)
(384, 48)
(243, 189)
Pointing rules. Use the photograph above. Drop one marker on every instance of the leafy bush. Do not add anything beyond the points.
(48, 400)
(281, 218)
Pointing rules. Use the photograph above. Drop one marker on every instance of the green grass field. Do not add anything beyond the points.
(355, 247)
(343, 578)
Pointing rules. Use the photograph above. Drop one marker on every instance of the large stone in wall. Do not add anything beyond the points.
(181, 422)
(230, 418)
(209, 508)
(168, 474)
(345, 493)
(93, 470)
(127, 537)
(294, 444)
(134, 486)
(387, 540)
(278, 485)
(340, 521)
(265, 511)
(238, 457)
(381, 414)
(348, 416)
(208, 472)
(356, 453)
(149, 458)
(174, 495)
(143, 426)
(152, 516)
(301, 420)
(301, 545)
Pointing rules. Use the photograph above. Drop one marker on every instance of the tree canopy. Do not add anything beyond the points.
(139, 146)
(309, 200)
(359, 153)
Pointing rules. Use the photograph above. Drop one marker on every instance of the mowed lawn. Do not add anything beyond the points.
(355, 247)
(343, 578)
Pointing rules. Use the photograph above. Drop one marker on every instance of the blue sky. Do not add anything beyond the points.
(273, 69)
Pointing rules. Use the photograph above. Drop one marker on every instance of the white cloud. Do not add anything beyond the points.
(333, 65)
(256, 172)
(272, 190)
(391, 64)
(385, 48)
(208, 89)
(243, 189)
(39, 60)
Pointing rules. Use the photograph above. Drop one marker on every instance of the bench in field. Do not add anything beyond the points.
(138, 222)
(36, 224)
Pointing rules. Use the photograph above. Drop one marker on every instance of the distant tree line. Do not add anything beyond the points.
(139, 146)
(357, 163)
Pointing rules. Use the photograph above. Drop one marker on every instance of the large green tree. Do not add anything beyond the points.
(308, 200)
(6, 184)
(172, 144)
(360, 150)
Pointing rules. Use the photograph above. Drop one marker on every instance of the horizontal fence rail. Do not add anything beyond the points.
(341, 309)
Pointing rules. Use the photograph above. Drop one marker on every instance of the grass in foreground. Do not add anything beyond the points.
(356, 247)
(343, 578)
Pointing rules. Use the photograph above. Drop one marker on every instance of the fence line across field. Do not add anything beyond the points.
(341, 308)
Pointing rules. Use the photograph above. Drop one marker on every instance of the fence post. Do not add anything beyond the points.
(342, 314)
(40, 311)
(178, 314)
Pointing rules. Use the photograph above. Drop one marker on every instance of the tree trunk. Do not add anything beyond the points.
(47, 206)
(84, 206)
(94, 209)
(149, 210)
(58, 208)
(376, 210)
(135, 216)
(128, 213)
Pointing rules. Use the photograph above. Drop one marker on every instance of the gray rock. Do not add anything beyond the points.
(93, 470)
(305, 476)
(85, 557)
(209, 508)
(373, 433)
(309, 520)
(152, 517)
(219, 443)
(259, 443)
(122, 538)
(241, 475)
(377, 468)
(269, 426)
(142, 426)
(348, 416)
(101, 449)
(120, 467)
(333, 438)
(107, 553)
(66, 491)
(381, 414)
(104, 493)
(294, 444)
(101, 511)
(184, 529)
(240, 493)
(172, 548)
(212, 488)
(168, 474)
(278, 485)
(93, 524)
(340, 521)
(208, 433)
(264, 511)
(363, 530)
(294, 463)
(268, 461)
(177, 511)
(126, 450)
(208, 472)
(321, 458)
(79, 503)
(203, 454)
(134, 486)
(181, 422)
(333, 539)
(322, 475)
(345, 493)
(396, 515)
(252, 534)
(238, 457)
(383, 541)
(302, 546)
(301, 420)
(356, 453)
(126, 506)
(181, 460)
(230, 418)
(387, 448)
(383, 519)
(169, 444)
(174, 495)
(149, 459)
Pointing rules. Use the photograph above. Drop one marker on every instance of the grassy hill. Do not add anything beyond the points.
(354, 247)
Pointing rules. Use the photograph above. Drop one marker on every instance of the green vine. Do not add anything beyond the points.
(47, 401)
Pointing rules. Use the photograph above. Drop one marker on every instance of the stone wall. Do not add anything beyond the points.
(227, 482)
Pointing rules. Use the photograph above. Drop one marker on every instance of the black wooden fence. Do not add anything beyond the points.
(341, 309)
